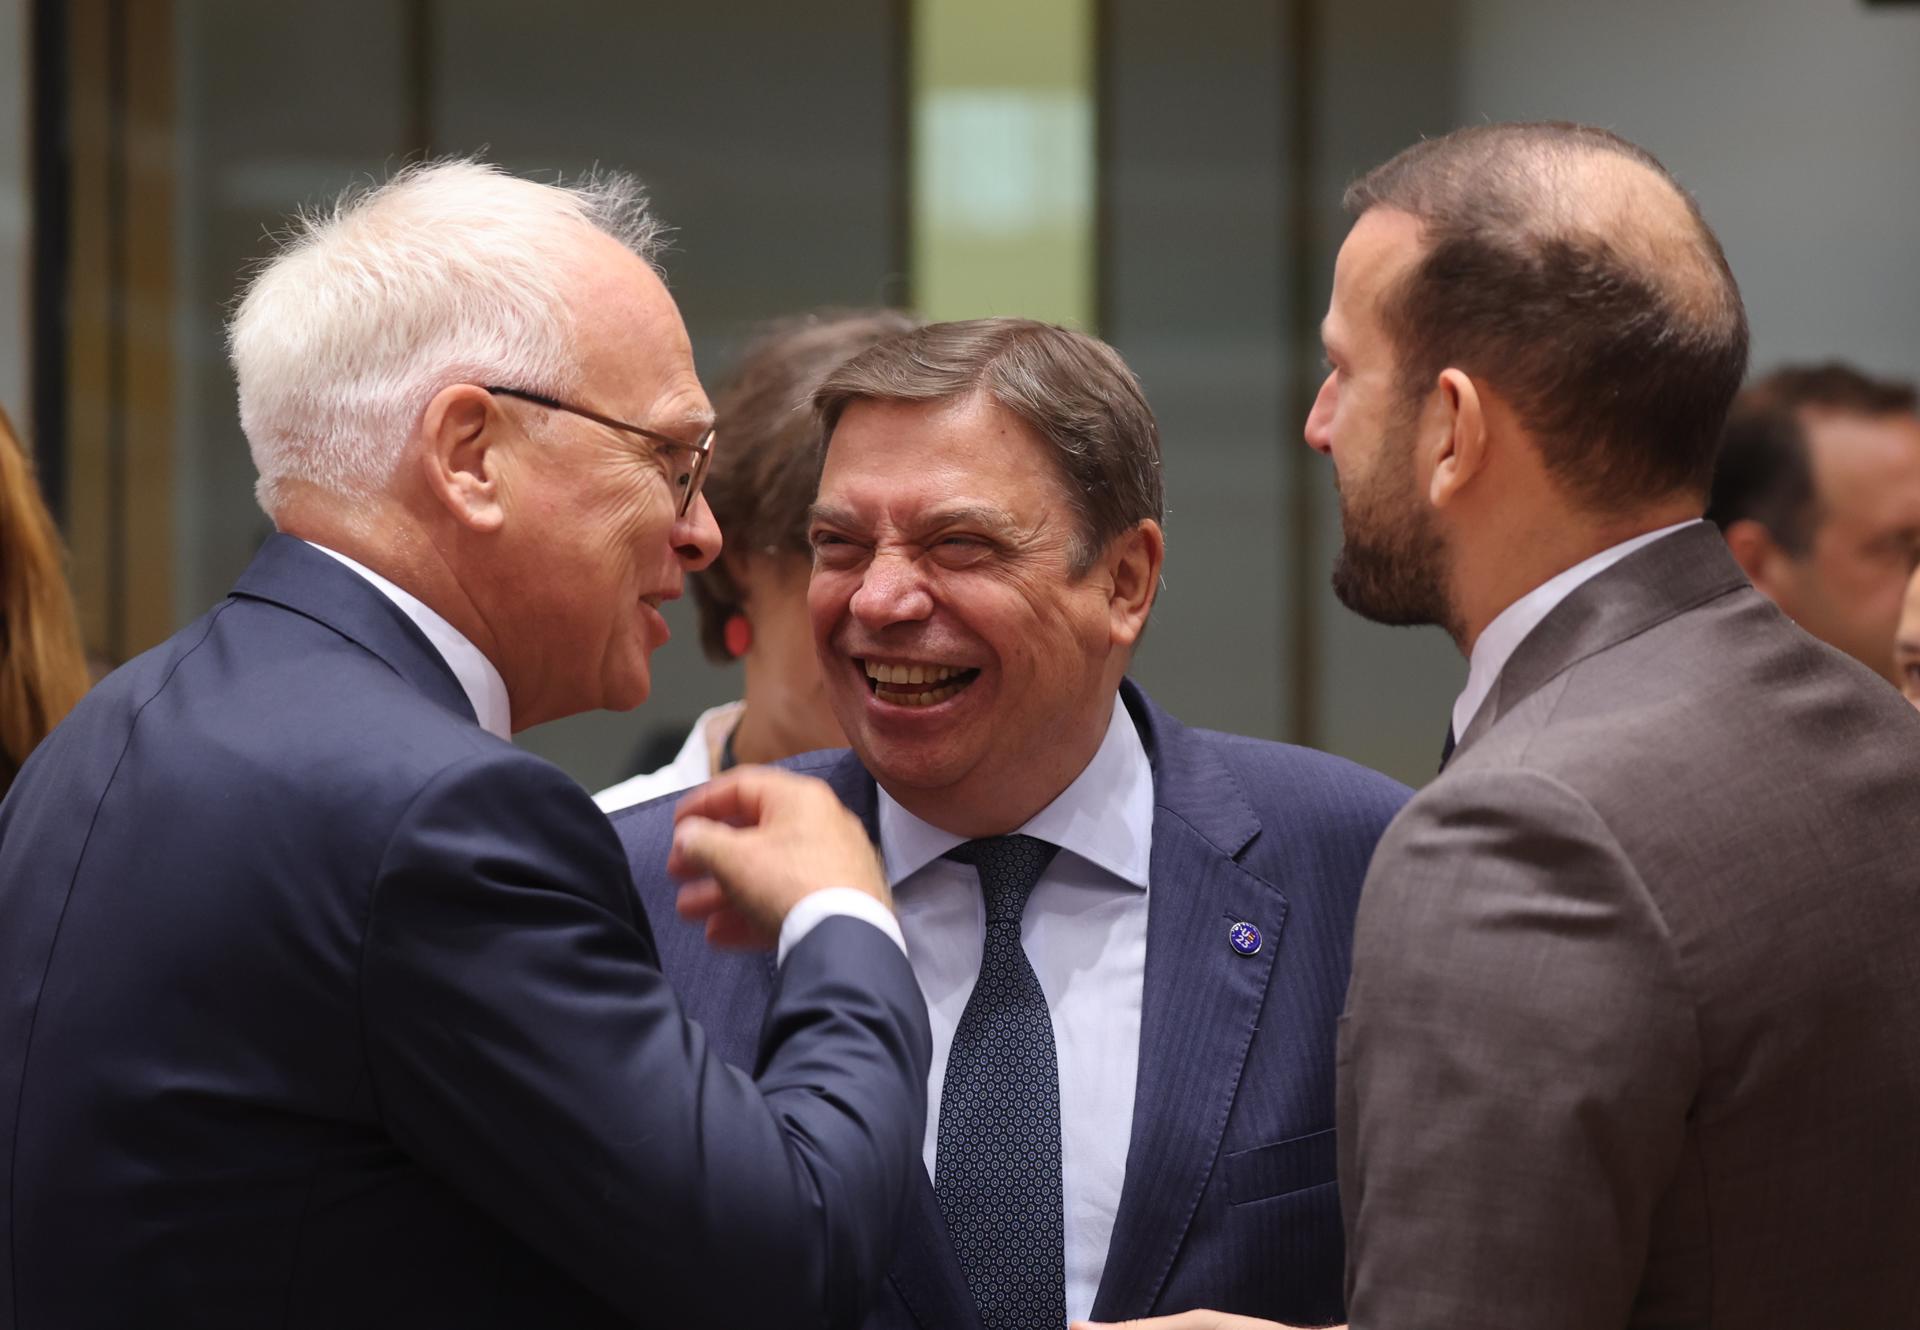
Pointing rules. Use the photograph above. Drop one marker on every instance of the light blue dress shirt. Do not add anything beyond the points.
(1085, 932)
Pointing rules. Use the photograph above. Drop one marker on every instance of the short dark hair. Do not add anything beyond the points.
(1764, 472)
(765, 465)
(1072, 390)
(1619, 345)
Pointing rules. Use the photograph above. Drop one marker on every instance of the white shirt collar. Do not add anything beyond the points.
(1105, 816)
(481, 682)
(1511, 626)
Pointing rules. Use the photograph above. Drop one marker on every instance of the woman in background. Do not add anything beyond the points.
(753, 600)
(43, 670)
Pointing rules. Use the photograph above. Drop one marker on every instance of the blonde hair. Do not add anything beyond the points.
(43, 668)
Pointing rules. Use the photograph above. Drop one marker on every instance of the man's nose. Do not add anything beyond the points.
(891, 591)
(696, 536)
(1320, 419)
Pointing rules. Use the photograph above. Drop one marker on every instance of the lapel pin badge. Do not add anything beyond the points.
(1244, 938)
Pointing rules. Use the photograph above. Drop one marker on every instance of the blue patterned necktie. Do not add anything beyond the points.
(997, 1163)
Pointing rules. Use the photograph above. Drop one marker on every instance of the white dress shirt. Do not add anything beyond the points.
(1501, 638)
(691, 766)
(1085, 933)
(479, 680)
(487, 691)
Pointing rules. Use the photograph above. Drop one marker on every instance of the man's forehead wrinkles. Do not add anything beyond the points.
(910, 516)
(683, 409)
(681, 392)
(831, 514)
(694, 420)
(967, 511)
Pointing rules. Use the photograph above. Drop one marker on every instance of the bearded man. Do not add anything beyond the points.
(1630, 1035)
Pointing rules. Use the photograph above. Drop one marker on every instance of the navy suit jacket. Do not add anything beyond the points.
(321, 1006)
(1229, 1200)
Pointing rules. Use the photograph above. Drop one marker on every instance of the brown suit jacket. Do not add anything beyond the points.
(1633, 1035)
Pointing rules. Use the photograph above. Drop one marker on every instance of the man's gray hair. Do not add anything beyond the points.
(450, 272)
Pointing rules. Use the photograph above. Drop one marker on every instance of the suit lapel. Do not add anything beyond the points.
(290, 573)
(1200, 1005)
(926, 1272)
(1672, 575)
(855, 788)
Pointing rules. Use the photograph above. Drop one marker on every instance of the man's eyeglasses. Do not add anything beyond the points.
(689, 460)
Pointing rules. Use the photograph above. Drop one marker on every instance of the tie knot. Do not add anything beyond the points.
(1009, 866)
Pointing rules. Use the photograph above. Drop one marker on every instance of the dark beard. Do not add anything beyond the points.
(1392, 562)
(1393, 576)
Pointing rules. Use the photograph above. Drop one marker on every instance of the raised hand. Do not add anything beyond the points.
(752, 842)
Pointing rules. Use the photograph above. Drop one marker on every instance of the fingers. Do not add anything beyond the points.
(706, 900)
(754, 842)
(701, 849)
(721, 799)
(743, 796)
(731, 930)
(699, 900)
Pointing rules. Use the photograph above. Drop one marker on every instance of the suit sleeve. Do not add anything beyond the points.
(525, 1047)
(1517, 1060)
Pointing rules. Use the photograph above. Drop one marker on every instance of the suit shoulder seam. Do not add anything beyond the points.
(1579, 662)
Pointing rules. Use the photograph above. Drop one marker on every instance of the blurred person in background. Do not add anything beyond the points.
(753, 599)
(1906, 645)
(1817, 492)
(43, 668)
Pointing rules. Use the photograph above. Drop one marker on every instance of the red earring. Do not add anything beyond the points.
(739, 635)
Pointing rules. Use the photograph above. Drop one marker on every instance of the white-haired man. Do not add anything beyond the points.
(327, 1006)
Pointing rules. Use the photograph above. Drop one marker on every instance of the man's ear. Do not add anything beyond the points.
(463, 437)
(1760, 556)
(1454, 436)
(1134, 559)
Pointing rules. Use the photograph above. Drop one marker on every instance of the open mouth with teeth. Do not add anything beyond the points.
(916, 685)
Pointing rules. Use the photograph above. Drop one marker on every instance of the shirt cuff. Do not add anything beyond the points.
(803, 918)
